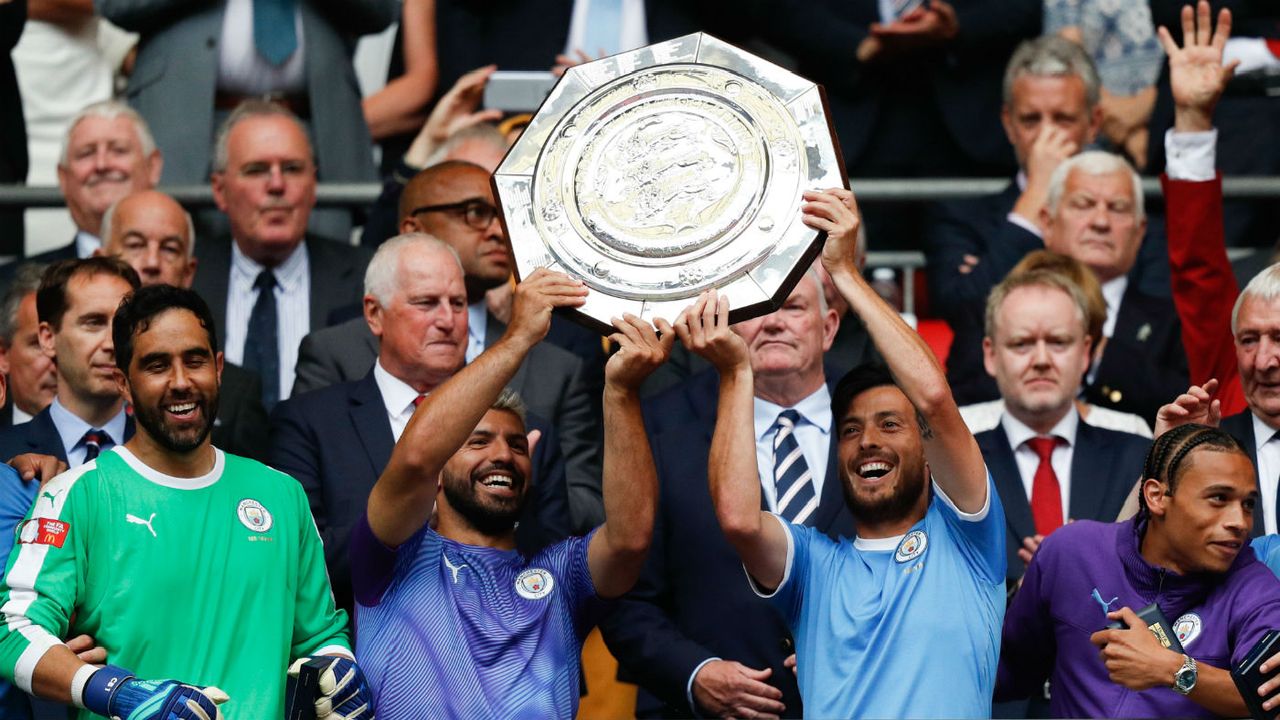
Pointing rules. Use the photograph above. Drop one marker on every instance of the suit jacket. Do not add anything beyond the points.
(13, 129)
(177, 67)
(336, 442)
(336, 271)
(692, 601)
(1240, 427)
(1105, 465)
(40, 436)
(550, 381)
(241, 427)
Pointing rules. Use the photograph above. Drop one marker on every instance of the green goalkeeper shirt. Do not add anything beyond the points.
(217, 580)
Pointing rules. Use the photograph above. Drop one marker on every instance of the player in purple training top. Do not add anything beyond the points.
(451, 620)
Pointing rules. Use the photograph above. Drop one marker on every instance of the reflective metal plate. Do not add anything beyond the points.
(658, 173)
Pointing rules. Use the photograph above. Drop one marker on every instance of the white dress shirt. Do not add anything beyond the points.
(293, 308)
(813, 435)
(86, 244)
(477, 326)
(71, 430)
(20, 416)
(1264, 437)
(1028, 461)
(398, 396)
(632, 34)
(242, 70)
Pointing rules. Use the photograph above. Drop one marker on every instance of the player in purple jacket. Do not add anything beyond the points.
(1186, 551)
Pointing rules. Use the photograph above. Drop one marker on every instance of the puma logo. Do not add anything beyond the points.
(1106, 604)
(139, 521)
(53, 496)
(452, 567)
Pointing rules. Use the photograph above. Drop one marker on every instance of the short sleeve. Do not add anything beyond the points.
(981, 535)
(789, 595)
(373, 565)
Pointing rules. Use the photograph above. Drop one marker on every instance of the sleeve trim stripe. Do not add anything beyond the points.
(968, 517)
(25, 669)
(786, 569)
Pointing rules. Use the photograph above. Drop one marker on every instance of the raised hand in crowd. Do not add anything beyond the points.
(1196, 73)
(1196, 405)
(459, 108)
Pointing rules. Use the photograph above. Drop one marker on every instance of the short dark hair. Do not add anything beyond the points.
(51, 297)
(26, 280)
(854, 383)
(136, 312)
(1168, 452)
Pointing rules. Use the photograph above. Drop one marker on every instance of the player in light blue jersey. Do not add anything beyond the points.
(452, 622)
(903, 621)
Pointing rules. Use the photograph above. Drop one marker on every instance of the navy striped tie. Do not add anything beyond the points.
(791, 476)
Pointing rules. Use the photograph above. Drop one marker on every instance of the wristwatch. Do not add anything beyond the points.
(1184, 681)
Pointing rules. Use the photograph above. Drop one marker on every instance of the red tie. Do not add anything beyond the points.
(418, 400)
(1046, 494)
(1274, 46)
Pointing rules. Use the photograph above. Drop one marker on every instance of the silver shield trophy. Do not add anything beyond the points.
(659, 173)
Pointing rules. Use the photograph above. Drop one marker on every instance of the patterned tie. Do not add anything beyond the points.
(791, 477)
(604, 27)
(95, 441)
(1046, 493)
(273, 30)
(261, 344)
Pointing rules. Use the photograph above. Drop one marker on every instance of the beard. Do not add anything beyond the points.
(896, 506)
(488, 515)
(179, 440)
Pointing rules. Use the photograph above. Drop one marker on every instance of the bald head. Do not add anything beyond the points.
(150, 231)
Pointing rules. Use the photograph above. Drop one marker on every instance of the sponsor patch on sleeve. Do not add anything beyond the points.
(44, 531)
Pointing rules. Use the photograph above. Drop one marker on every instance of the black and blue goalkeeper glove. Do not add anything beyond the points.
(341, 691)
(116, 693)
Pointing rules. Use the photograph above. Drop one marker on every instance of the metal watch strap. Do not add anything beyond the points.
(1188, 665)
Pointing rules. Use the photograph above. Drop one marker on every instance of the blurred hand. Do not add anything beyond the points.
(1196, 73)
(928, 27)
(640, 350)
(33, 466)
(725, 689)
(535, 298)
(1029, 547)
(564, 61)
(1196, 405)
(1052, 146)
(703, 327)
(790, 662)
(457, 109)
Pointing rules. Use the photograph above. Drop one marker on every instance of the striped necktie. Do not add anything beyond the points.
(791, 477)
(94, 442)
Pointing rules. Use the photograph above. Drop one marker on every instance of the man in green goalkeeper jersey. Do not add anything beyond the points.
(181, 560)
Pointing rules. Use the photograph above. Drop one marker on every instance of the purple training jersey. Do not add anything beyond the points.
(451, 630)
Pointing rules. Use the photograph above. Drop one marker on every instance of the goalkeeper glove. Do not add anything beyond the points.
(341, 691)
(117, 693)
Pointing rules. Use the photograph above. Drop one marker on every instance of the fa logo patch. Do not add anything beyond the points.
(534, 584)
(912, 546)
(253, 515)
(1187, 628)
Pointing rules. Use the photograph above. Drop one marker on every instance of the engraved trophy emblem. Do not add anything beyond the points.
(659, 173)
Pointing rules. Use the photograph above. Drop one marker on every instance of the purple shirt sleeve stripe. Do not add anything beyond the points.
(373, 564)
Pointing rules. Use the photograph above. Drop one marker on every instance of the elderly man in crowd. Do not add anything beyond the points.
(33, 380)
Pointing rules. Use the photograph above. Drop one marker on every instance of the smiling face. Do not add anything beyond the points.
(81, 344)
(1096, 223)
(487, 480)
(104, 163)
(1206, 521)
(882, 464)
(1258, 356)
(268, 187)
(1039, 354)
(173, 381)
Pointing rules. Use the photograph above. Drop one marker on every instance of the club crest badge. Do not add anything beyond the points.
(534, 584)
(912, 546)
(253, 515)
(1187, 628)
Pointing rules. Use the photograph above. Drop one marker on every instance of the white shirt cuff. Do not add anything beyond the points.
(1191, 155)
(1253, 54)
(688, 690)
(1025, 224)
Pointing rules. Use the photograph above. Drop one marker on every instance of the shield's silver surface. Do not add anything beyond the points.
(658, 173)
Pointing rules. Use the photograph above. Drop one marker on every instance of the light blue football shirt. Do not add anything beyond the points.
(1267, 548)
(904, 627)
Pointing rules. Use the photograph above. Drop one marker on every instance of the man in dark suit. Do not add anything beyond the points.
(75, 302)
(33, 381)
(265, 181)
(337, 440)
(692, 633)
(1049, 466)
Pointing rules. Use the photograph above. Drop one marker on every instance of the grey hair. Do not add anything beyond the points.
(817, 280)
(109, 216)
(380, 276)
(109, 110)
(1094, 162)
(1265, 286)
(26, 280)
(510, 401)
(481, 132)
(1052, 56)
(247, 110)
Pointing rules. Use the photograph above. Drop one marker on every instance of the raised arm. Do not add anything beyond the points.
(731, 465)
(404, 497)
(949, 447)
(617, 551)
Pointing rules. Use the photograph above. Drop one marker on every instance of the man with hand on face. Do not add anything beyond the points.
(919, 593)
(227, 543)
(452, 620)
(1185, 552)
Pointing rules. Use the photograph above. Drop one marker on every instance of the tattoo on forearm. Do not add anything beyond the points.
(926, 432)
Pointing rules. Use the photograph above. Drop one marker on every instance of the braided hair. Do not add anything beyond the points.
(1169, 451)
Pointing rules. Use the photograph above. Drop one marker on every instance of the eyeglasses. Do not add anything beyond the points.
(477, 213)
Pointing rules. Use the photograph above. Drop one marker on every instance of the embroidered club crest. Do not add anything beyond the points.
(253, 515)
(534, 584)
(912, 546)
(1187, 628)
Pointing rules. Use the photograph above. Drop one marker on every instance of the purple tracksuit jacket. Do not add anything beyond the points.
(1085, 569)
